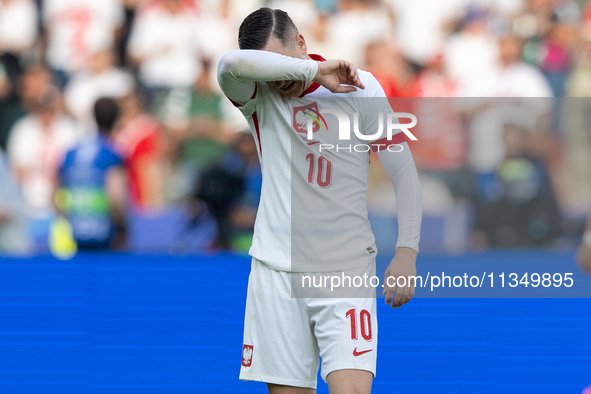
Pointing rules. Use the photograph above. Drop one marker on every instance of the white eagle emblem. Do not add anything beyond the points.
(306, 115)
(247, 355)
(302, 119)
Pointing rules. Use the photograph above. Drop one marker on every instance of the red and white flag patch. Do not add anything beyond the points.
(247, 355)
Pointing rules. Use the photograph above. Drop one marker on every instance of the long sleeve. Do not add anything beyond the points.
(402, 171)
(239, 70)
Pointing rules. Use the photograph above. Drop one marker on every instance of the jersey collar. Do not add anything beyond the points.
(315, 85)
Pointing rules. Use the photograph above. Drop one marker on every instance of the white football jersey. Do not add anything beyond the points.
(312, 216)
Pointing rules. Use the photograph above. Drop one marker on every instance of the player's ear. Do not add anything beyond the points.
(301, 44)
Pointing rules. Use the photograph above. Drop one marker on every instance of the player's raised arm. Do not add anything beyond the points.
(239, 70)
(273, 51)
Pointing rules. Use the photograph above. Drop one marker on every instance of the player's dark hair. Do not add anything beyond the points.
(259, 26)
(106, 112)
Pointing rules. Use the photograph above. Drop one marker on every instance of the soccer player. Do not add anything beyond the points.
(312, 215)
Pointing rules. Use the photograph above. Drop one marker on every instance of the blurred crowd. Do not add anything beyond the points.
(93, 88)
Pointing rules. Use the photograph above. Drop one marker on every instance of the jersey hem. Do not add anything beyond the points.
(281, 268)
(348, 365)
(308, 384)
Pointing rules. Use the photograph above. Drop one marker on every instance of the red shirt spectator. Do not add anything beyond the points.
(141, 141)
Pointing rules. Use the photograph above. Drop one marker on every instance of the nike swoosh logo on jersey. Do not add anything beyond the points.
(357, 354)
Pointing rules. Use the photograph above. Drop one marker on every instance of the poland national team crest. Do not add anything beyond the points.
(247, 355)
(308, 114)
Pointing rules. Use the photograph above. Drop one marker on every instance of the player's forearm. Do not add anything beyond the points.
(401, 169)
(239, 70)
(255, 65)
(409, 198)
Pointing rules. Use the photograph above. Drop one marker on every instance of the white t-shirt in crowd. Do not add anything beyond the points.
(420, 25)
(303, 13)
(470, 61)
(216, 36)
(78, 28)
(238, 9)
(85, 88)
(168, 46)
(522, 80)
(524, 88)
(39, 154)
(18, 25)
(350, 32)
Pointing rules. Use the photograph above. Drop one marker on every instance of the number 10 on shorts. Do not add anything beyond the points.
(364, 320)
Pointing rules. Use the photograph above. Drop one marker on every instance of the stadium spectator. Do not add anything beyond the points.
(92, 185)
(216, 36)
(515, 77)
(100, 79)
(18, 26)
(358, 23)
(433, 80)
(317, 39)
(220, 190)
(303, 12)
(394, 72)
(422, 26)
(584, 254)
(140, 138)
(443, 147)
(567, 12)
(237, 9)
(36, 146)
(203, 141)
(520, 207)
(10, 107)
(243, 161)
(511, 78)
(13, 235)
(576, 147)
(130, 8)
(206, 133)
(34, 84)
(556, 60)
(471, 55)
(75, 29)
(164, 44)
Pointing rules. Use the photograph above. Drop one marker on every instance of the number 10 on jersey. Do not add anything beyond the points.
(319, 170)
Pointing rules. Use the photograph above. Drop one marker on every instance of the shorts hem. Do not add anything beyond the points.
(280, 381)
(354, 366)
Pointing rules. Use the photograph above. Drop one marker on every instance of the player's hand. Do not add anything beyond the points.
(338, 76)
(402, 265)
(584, 258)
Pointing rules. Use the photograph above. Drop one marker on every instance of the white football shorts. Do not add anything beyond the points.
(285, 336)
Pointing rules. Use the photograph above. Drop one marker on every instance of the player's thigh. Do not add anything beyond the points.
(279, 345)
(278, 389)
(349, 381)
(346, 333)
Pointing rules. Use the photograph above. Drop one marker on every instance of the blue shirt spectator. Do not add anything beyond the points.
(91, 181)
(84, 191)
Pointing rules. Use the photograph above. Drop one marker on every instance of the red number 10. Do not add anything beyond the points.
(324, 178)
(365, 324)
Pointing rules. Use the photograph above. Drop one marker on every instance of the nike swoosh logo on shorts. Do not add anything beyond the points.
(357, 354)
